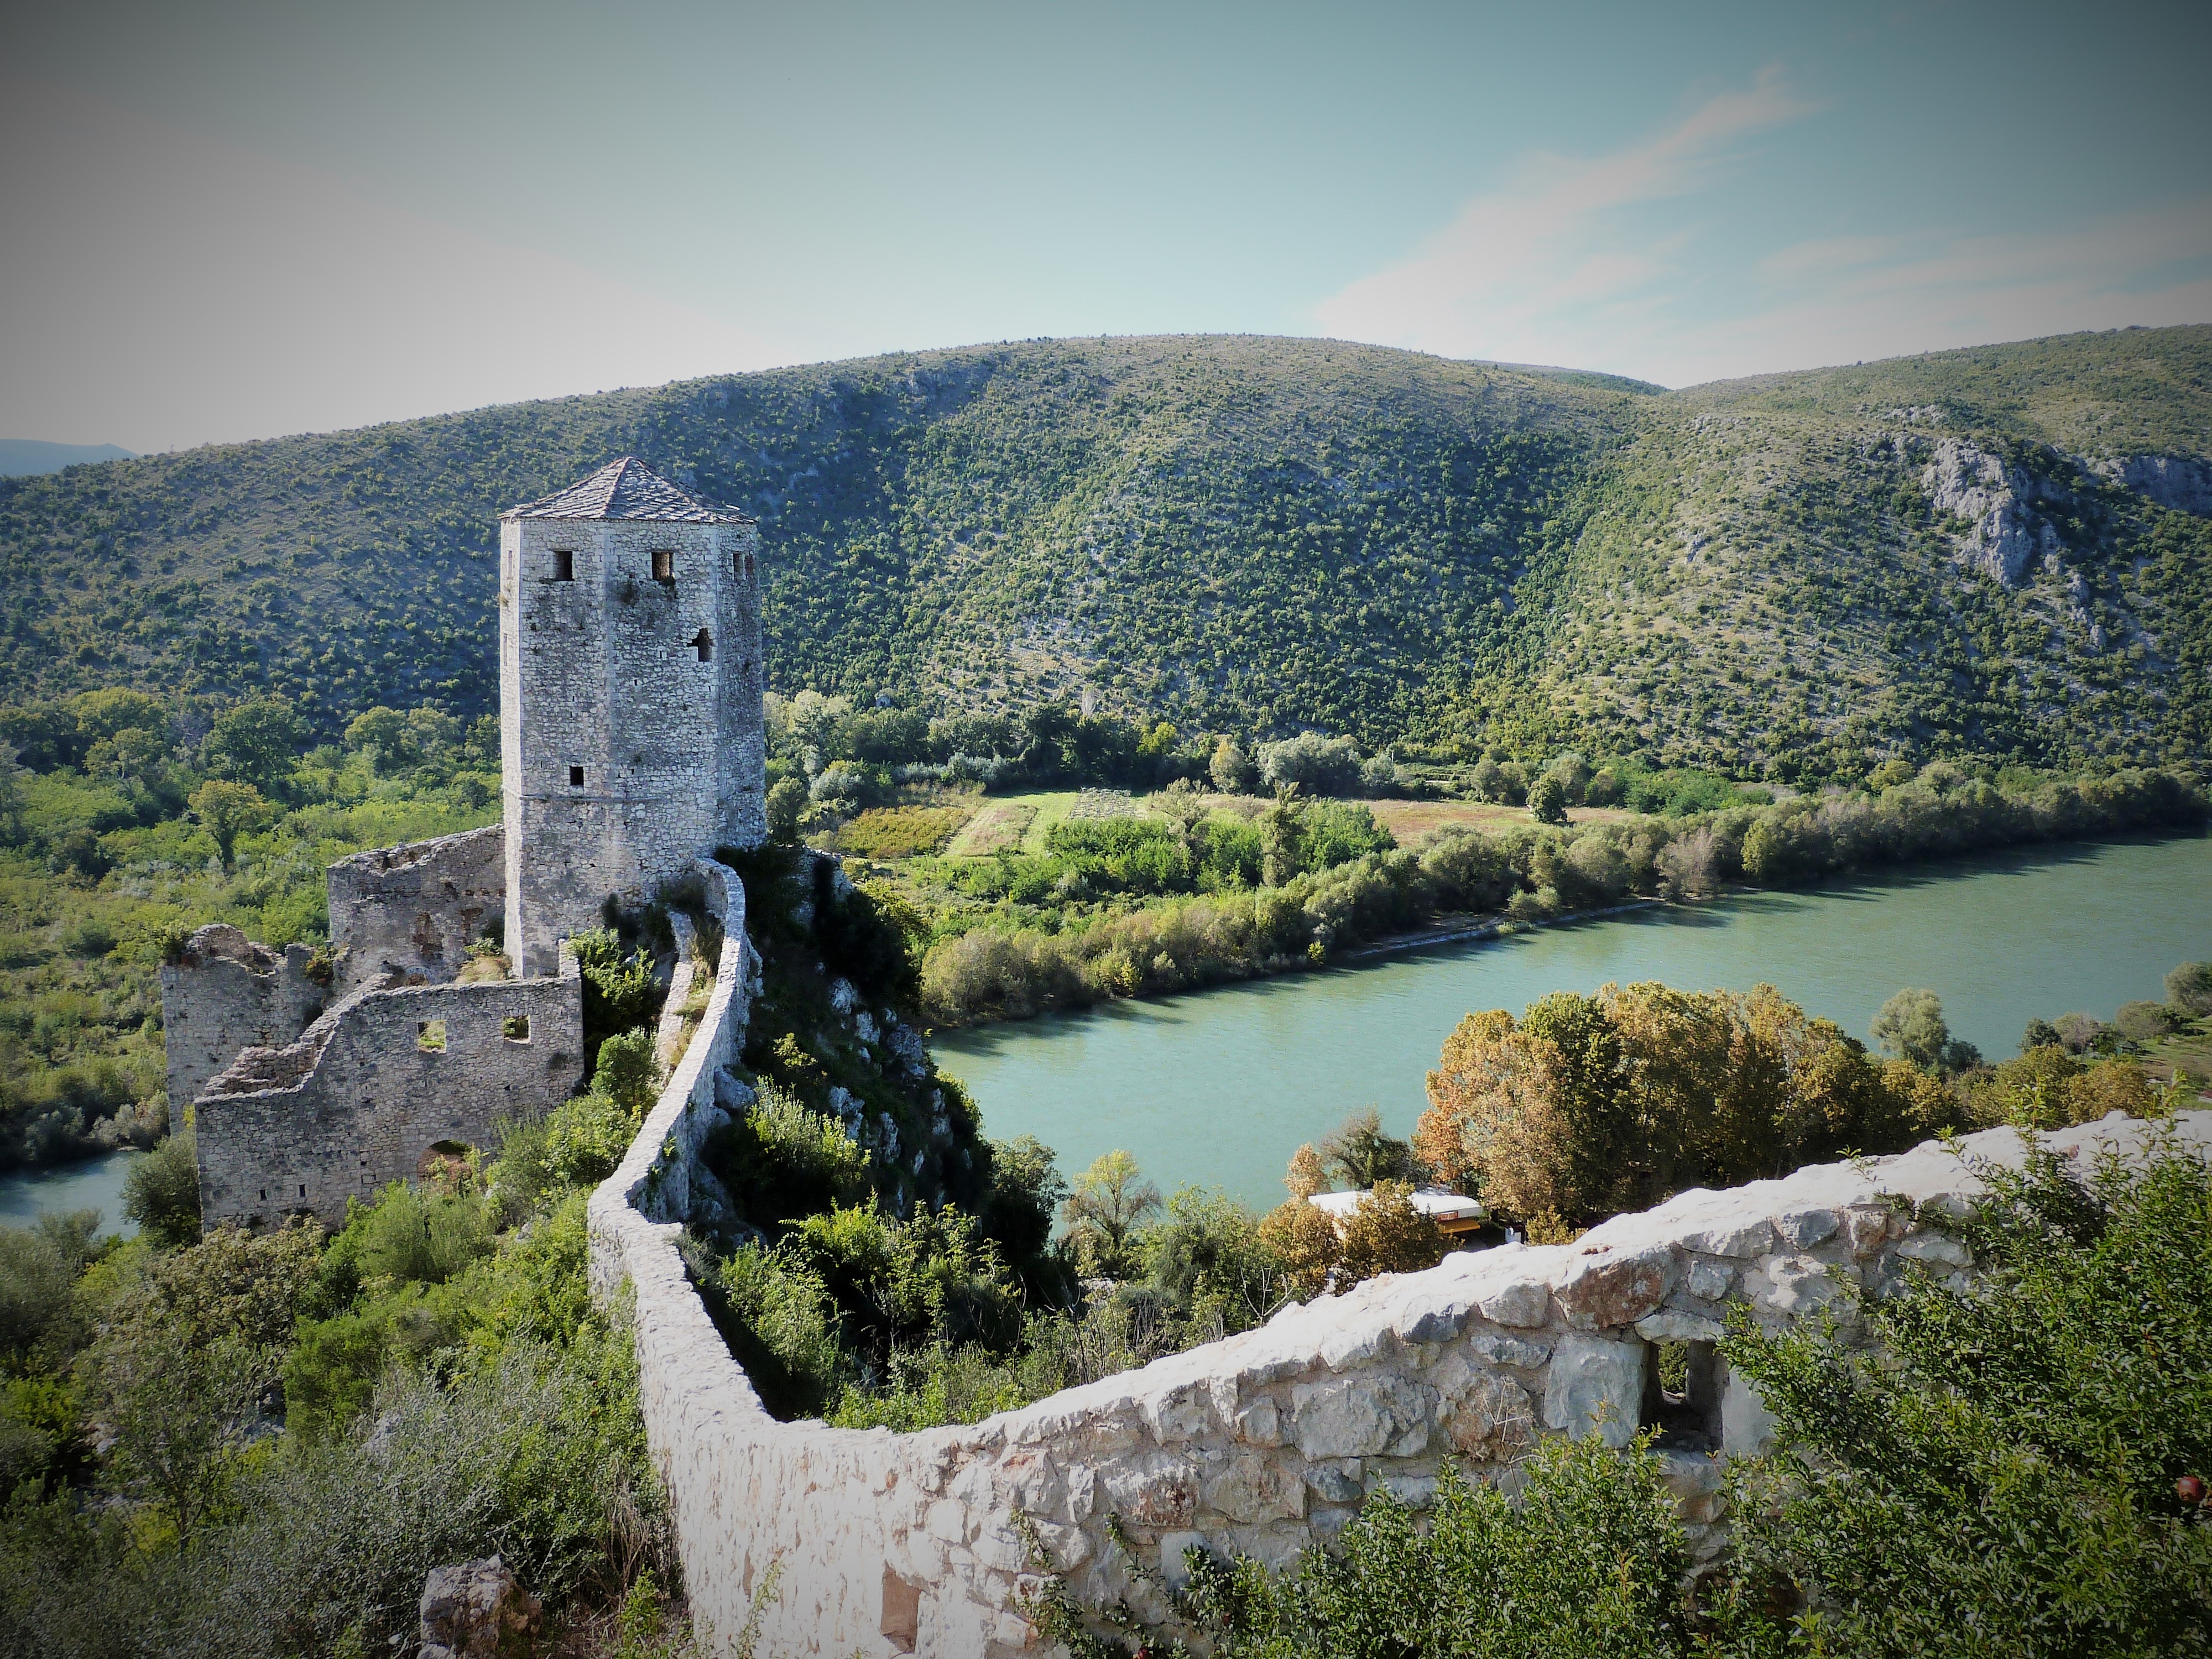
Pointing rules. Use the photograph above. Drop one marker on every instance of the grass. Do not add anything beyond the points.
(899, 832)
(998, 827)
(1410, 820)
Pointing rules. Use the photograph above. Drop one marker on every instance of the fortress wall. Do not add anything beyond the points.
(414, 910)
(1264, 1444)
(225, 994)
(359, 1099)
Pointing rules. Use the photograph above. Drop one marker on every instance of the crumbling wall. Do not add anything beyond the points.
(1264, 1444)
(224, 993)
(375, 1084)
(410, 913)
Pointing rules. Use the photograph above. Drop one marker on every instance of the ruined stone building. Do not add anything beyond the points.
(631, 745)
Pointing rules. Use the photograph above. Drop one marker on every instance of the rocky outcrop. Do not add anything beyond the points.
(2182, 482)
(2004, 532)
(477, 1610)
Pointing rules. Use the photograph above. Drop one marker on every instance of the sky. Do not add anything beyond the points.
(234, 220)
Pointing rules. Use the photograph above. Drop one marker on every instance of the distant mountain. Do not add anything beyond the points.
(2000, 551)
(27, 458)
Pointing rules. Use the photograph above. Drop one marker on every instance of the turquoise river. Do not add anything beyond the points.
(1218, 1088)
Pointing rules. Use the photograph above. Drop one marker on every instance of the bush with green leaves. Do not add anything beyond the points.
(1587, 1559)
(2003, 1481)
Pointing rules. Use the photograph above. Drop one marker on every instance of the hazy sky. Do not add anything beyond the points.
(235, 221)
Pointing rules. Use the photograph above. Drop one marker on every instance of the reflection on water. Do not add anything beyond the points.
(1218, 1087)
(96, 1183)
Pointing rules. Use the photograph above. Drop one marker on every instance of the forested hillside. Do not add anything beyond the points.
(2000, 552)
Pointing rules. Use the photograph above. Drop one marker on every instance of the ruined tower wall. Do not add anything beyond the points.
(373, 1084)
(629, 712)
(414, 910)
(224, 993)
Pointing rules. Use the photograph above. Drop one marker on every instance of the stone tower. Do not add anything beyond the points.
(629, 675)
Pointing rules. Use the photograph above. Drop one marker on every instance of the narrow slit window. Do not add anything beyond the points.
(749, 564)
(575, 777)
(664, 566)
(703, 643)
(303, 1189)
(564, 565)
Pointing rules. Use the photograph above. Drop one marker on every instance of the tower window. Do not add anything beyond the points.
(564, 565)
(664, 566)
(749, 564)
(575, 777)
(703, 643)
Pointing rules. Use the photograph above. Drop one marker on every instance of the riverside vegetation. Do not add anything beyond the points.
(1771, 579)
(128, 819)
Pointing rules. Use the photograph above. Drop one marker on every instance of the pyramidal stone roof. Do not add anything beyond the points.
(627, 488)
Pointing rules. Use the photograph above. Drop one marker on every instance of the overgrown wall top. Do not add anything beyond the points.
(1265, 1443)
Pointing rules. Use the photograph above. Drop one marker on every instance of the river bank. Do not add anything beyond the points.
(92, 1183)
(1219, 1087)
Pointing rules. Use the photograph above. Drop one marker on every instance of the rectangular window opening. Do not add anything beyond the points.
(575, 777)
(664, 566)
(430, 1036)
(516, 1028)
(564, 565)
(303, 1189)
(1682, 1384)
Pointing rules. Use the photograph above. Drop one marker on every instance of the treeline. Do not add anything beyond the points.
(1305, 915)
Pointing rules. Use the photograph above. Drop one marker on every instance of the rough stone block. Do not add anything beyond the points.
(1596, 1387)
(1806, 1228)
(1608, 1288)
(1523, 1305)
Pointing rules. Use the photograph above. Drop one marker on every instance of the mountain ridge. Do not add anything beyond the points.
(1258, 534)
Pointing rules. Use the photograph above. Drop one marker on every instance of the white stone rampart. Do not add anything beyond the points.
(1263, 1444)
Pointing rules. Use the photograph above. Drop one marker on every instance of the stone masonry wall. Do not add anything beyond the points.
(412, 912)
(630, 713)
(224, 993)
(373, 1084)
(1263, 1444)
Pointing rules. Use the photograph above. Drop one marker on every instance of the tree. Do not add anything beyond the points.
(1316, 764)
(228, 810)
(787, 803)
(1385, 1234)
(1547, 800)
(1361, 1155)
(161, 1193)
(2189, 988)
(256, 742)
(378, 733)
(1231, 768)
(1911, 1026)
(1306, 1175)
(1109, 1200)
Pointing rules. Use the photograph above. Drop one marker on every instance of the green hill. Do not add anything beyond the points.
(1255, 534)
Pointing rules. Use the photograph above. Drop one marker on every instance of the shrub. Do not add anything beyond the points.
(161, 1191)
(1589, 1559)
(2145, 1022)
(781, 1160)
(2188, 988)
(780, 1324)
(2003, 1481)
(1316, 764)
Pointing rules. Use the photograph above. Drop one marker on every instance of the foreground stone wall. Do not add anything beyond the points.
(409, 914)
(224, 993)
(375, 1084)
(1263, 1444)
